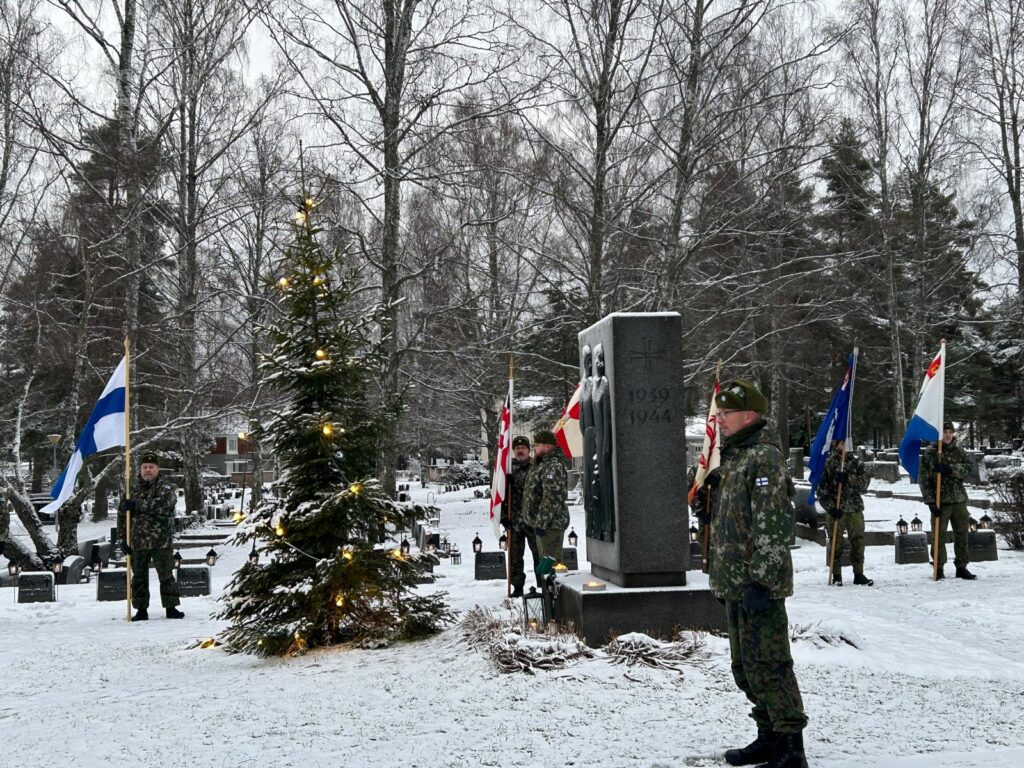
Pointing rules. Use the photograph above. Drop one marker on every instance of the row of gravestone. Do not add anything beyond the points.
(915, 547)
(40, 587)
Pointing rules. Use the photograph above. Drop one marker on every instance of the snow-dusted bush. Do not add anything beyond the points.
(1008, 485)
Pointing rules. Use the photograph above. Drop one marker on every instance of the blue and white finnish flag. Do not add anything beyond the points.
(833, 427)
(926, 424)
(103, 430)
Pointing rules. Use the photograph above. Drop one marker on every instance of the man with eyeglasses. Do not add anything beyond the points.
(954, 467)
(752, 573)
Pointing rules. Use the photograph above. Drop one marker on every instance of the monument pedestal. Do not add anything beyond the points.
(655, 611)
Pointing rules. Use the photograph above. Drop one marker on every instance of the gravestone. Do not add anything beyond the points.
(912, 548)
(112, 585)
(796, 463)
(981, 546)
(570, 559)
(842, 549)
(71, 570)
(633, 400)
(883, 470)
(977, 463)
(805, 513)
(36, 587)
(193, 580)
(696, 555)
(489, 565)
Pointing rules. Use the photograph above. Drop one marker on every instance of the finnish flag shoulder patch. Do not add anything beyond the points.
(761, 482)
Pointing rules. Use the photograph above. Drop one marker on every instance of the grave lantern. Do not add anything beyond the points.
(478, 545)
(901, 526)
(211, 557)
(503, 541)
(533, 610)
(13, 568)
(404, 547)
(985, 523)
(573, 538)
(456, 557)
(915, 524)
(972, 524)
(176, 559)
(694, 533)
(254, 556)
(57, 566)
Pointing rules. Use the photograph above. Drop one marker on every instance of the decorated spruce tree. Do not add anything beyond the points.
(323, 575)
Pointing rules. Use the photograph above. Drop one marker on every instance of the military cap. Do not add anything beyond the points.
(150, 457)
(948, 425)
(544, 437)
(520, 440)
(741, 395)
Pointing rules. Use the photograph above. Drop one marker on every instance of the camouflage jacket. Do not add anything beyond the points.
(953, 491)
(153, 518)
(544, 495)
(856, 484)
(752, 525)
(514, 500)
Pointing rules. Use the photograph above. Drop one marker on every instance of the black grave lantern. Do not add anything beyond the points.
(533, 611)
(456, 557)
(916, 524)
(404, 547)
(176, 559)
(254, 556)
(901, 526)
(478, 545)
(573, 538)
(57, 566)
(503, 541)
(13, 568)
(985, 523)
(972, 524)
(694, 533)
(211, 557)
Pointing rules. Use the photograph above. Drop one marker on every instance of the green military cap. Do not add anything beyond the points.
(544, 437)
(149, 457)
(948, 425)
(520, 440)
(741, 395)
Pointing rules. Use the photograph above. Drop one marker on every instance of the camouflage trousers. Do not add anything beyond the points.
(957, 514)
(550, 544)
(852, 524)
(763, 666)
(517, 555)
(161, 560)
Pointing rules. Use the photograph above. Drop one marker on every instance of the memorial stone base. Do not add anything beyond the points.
(655, 611)
(912, 548)
(981, 546)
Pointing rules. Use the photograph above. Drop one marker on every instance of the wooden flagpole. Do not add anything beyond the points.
(842, 466)
(706, 543)
(938, 476)
(508, 499)
(128, 470)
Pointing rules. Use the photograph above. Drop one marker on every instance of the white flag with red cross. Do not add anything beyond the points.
(502, 462)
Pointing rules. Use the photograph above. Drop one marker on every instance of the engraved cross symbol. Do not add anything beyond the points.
(646, 356)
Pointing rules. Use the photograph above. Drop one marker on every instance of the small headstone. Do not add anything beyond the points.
(912, 548)
(883, 494)
(883, 470)
(193, 580)
(842, 549)
(403, 496)
(570, 558)
(36, 587)
(696, 555)
(71, 570)
(981, 545)
(796, 463)
(489, 565)
(112, 586)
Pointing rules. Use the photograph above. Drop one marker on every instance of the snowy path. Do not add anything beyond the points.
(938, 679)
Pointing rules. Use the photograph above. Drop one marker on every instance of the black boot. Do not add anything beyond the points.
(941, 575)
(174, 613)
(791, 752)
(963, 573)
(141, 615)
(764, 747)
(837, 581)
(863, 580)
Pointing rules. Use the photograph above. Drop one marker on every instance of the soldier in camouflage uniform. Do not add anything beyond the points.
(848, 516)
(954, 468)
(752, 573)
(544, 508)
(152, 523)
(512, 516)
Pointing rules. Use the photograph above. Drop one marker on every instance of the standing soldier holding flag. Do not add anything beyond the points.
(840, 491)
(947, 465)
(704, 476)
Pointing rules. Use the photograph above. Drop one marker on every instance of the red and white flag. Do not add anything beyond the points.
(567, 428)
(710, 453)
(502, 462)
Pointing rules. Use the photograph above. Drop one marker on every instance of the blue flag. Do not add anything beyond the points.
(832, 428)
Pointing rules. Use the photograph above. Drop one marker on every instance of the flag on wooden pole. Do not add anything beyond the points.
(567, 428)
(710, 453)
(502, 461)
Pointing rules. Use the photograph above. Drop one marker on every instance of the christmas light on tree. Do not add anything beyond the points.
(328, 578)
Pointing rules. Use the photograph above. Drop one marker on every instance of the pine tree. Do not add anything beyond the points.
(329, 579)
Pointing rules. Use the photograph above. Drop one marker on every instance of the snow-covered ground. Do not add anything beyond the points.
(937, 678)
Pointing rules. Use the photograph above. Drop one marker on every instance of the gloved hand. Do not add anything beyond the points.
(943, 469)
(835, 513)
(936, 511)
(713, 479)
(754, 599)
(126, 548)
(127, 505)
(841, 477)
